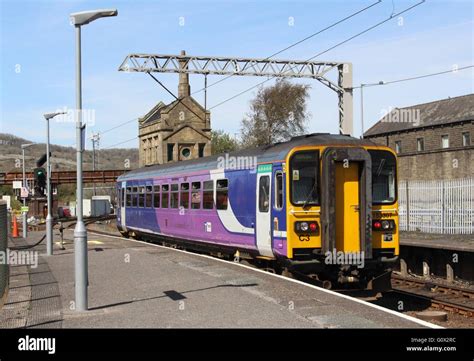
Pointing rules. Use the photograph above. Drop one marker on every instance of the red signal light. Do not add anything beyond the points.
(313, 226)
(377, 225)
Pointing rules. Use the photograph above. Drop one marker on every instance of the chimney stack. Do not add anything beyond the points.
(184, 89)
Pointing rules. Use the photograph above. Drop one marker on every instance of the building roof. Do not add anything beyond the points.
(434, 113)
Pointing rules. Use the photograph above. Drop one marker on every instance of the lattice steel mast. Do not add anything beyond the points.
(209, 65)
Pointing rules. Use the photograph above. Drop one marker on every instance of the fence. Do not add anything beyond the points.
(438, 206)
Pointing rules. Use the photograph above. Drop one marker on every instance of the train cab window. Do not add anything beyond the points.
(129, 196)
(222, 193)
(304, 178)
(149, 197)
(184, 200)
(165, 195)
(264, 194)
(196, 195)
(384, 166)
(174, 200)
(208, 195)
(156, 196)
(141, 197)
(278, 190)
(122, 197)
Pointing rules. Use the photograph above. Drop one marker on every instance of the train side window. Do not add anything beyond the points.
(174, 201)
(278, 190)
(208, 195)
(122, 197)
(222, 193)
(129, 196)
(165, 195)
(149, 197)
(141, 197)
(156, 196)
(263, 194)
(184, 200)
(135, 196)
(196, 195)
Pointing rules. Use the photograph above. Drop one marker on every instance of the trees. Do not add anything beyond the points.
(222, 142)
(276, 114)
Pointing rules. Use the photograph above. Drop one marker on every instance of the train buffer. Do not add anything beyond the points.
(137, 284)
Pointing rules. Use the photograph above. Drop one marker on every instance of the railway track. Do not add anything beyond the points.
(445, 297)
(449, 298)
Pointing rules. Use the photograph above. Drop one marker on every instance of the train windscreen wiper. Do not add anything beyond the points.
(310, 194)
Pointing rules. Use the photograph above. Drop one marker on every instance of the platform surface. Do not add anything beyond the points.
(454, 242)
(135, 284)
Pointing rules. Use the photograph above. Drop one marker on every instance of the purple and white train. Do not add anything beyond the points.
(319, 204)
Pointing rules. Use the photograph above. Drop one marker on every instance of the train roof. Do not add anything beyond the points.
(266, 153)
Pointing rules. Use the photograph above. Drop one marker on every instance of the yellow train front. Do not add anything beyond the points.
(342, 212)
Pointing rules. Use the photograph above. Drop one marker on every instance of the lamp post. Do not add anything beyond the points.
(24, 214)
(49, 217)
(362, 103)
(80, 232)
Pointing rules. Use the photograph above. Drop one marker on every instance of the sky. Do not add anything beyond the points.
(37, 60)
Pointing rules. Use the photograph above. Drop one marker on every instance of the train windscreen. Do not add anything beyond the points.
(384, 167)
(304, 178)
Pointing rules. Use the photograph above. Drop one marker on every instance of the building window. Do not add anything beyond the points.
(398, 146)
(201, 149)
(445, 141)
(208, 195)
(184, 202)
(170, 149)
(164, 195)
(196, 195)
(222, 193)
(466, 139)
(420, 144)
(186, 152)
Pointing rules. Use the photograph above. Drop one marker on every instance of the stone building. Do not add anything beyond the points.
(178, 131)
(433, 140)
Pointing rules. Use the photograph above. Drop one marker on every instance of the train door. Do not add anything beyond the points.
(263, 224)
(346, 201)
(123, 203)
(347, 207)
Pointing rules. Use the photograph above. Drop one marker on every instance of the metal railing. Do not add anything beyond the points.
(437, 206)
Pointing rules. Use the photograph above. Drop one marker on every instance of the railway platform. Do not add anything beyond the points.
(134, 284)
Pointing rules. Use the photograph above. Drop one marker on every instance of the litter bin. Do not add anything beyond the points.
(4, 270)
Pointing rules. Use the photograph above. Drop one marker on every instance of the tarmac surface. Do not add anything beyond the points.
(139, 285)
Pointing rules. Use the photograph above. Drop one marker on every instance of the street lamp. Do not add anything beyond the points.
(24, 214)
(80, 232)
(49, 217)
(362, 103)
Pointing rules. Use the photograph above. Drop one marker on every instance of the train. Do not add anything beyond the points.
(320, 205)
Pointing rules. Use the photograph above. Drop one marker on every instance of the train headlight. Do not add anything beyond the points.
(307, 227)
(385, 225)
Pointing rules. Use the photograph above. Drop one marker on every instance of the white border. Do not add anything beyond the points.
(380, 308)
